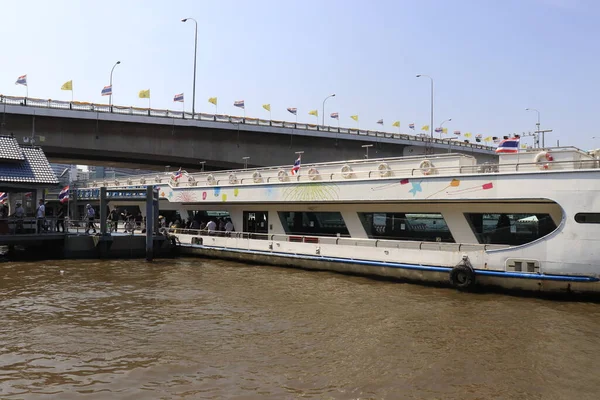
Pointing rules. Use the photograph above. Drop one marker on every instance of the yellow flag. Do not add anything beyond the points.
(468, 134)
(425, 128)
(144, 94)
(523, 146)
(67, 86)
(354, 117)
(397, 123)
(267, 107)
(488, 139)
(314, 112)
(444, 130)
(212, 100)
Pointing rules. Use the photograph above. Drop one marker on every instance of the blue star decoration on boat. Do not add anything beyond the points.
(416, 187)
(170, 195)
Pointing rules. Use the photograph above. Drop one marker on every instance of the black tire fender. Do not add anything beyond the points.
(462, 277)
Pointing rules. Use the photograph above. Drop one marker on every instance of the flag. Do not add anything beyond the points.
(437, 130)
(425, 128)
(292, 110)
(178, 97)
(178, 174)
(267, 107)
(67, 86)
(63, 196)
(296, 166)
(107, 91)
(354, 117)
(213, 100)
(488, 139)
(457, 132)
(411, 126)
(508, 146)
(523, 146)
(314, 112)
(238, 103)
(468, 134)
(22, 80)
(380, 122)
(144, 94)
(397, 123)
(335, 115)
(444, 130)
(3, 197)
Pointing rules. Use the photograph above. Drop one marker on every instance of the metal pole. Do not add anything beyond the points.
(103, 215)
(195, 57)
(149, 222)
(431, 122)
(323, 116)
(111, 91)
(442, 124)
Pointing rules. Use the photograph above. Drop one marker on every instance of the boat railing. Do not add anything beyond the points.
(203, 236)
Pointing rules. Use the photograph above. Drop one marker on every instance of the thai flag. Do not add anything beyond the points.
(293, 110)
(178, 97)
(3, 197)
(22, 80)
(239, 103)
(411, 126)
(380, 122)
(177, 174)
(296, 166)
(457, 132)
(508, 146)
(63, 196)
(438, 130)
(335, 115)
(107, 91)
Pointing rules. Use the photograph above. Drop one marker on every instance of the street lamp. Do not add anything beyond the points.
(366, 147)
(111, 88)
(538, 123)
(331, 95)
(448, 120)
(431, 123)
(245, 161)
(195, 54)
(450, 143)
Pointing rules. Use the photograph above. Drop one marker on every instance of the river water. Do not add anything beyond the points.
(208, 329)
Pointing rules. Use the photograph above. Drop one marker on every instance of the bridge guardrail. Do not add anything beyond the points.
(221, 118)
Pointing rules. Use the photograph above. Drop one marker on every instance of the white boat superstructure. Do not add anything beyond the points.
(531, 221)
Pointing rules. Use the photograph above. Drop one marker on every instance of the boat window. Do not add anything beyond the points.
(429, 227)
(587, 218)
(510, 229)
(313, 223)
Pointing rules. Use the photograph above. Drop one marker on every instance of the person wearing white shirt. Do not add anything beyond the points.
(211, 226)
(229, 226)
(40, 214)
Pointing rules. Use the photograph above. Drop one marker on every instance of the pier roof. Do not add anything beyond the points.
(23, 165)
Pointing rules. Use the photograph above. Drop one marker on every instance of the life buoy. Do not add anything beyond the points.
(543, 160)
(117, 183)
(129, 181)
(233, 179)
(157, 179)
(384, 169)
(313, 174)
(191, 181)
(346, 171)
(142, 180)
(426, 167)
(282, 175)
(211, 179)
(257, 177)
(462, 277)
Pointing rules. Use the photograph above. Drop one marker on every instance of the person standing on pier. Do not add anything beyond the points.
(19, 214)
(60, 219)
(91, 215)
(41, 215)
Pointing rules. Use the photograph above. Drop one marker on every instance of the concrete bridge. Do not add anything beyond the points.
(86, 133)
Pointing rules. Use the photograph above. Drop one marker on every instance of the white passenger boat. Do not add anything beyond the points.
(530, 222)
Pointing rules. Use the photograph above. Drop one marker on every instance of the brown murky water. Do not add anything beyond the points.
(196, 329)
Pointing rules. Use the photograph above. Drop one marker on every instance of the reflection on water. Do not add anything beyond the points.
(193, 328)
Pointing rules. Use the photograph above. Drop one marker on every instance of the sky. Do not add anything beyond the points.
(490, 60)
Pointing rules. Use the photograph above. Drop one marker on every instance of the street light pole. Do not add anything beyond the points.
(431, 122)
(195, 55)
(538, 130)
(448, 120)
(111, 88)
(331, 95)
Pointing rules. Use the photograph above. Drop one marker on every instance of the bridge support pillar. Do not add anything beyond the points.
(103, 215)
